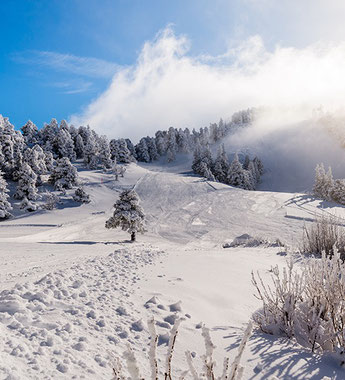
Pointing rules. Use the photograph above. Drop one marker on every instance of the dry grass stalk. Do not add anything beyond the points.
(209, 364)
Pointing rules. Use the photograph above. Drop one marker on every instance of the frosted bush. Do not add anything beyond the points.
(323, 235)
(306, 304)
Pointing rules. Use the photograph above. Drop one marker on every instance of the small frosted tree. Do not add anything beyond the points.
(5, 206)
(323, 182)
(128, 214)
(81, 196)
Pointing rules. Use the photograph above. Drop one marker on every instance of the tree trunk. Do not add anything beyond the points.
(133, 236)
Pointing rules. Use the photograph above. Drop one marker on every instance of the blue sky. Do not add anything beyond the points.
(57, 57)
(36, 86)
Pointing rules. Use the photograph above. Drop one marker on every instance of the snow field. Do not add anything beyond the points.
(70, 322)
(77, 305)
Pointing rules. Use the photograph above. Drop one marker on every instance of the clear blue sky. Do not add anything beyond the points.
(57, 56)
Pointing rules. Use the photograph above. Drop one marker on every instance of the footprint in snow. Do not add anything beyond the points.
(175, 306)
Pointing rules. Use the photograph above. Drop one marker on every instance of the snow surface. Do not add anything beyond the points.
(73, 293)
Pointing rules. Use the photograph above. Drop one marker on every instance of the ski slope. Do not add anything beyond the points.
(74, 294)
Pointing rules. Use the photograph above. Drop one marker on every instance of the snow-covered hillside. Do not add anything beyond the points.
(74, 293)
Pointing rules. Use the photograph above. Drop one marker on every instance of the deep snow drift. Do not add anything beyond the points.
(83, 291)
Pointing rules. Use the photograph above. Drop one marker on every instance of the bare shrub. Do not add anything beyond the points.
(324, 235)
(308, 304)
(230, 372)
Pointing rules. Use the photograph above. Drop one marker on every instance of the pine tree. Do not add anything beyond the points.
(64, 144)
(131, 148)
(254, 177)
(104, 152)
(35, 157)
(5, 206)
(221, 165)
(64, 175)
(142, 151)
(27, 205)
(123, 153)
(246, 162)
(79, 146)
(152, 149)
(26, 187)
(160, 143)
(30, 133)
(337, 193)
(205, 171)
(51, 201)
(90, 150)
(182, 141)
(48, 137)
(258, 163)
(114, 149)
(81, 196)
(49, 161)
(128, 214)
(237, 176)
(172, 145)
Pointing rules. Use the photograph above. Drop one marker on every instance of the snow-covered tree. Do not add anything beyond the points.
(202, 158)
(337, 193)
(81, 196)
(123, 153)
(182, 141)
(35, 157)
(259, 165)
(131, 148)
(160, 143)
(171, 145)
(49, 161)
(104, 152)
(5, 206)
(114, 149)
(26, 187)
(246, 162)
(152, 149)
(142, 151)
(27, 205)
(79, 146)
(118, 170)
(64, 175)
(323, 182)
(64, 144)
(128, 214)
(237, 176)
(206, 172)
(221, 165)
(30, 133)
(51, 201)
(254, 176)
(91, 150)
(48, 137)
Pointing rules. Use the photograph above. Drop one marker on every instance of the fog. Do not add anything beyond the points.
(296, 88)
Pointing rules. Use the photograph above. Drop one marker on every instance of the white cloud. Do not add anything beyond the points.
(84, 66)
(72, 87)
(167, 87)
